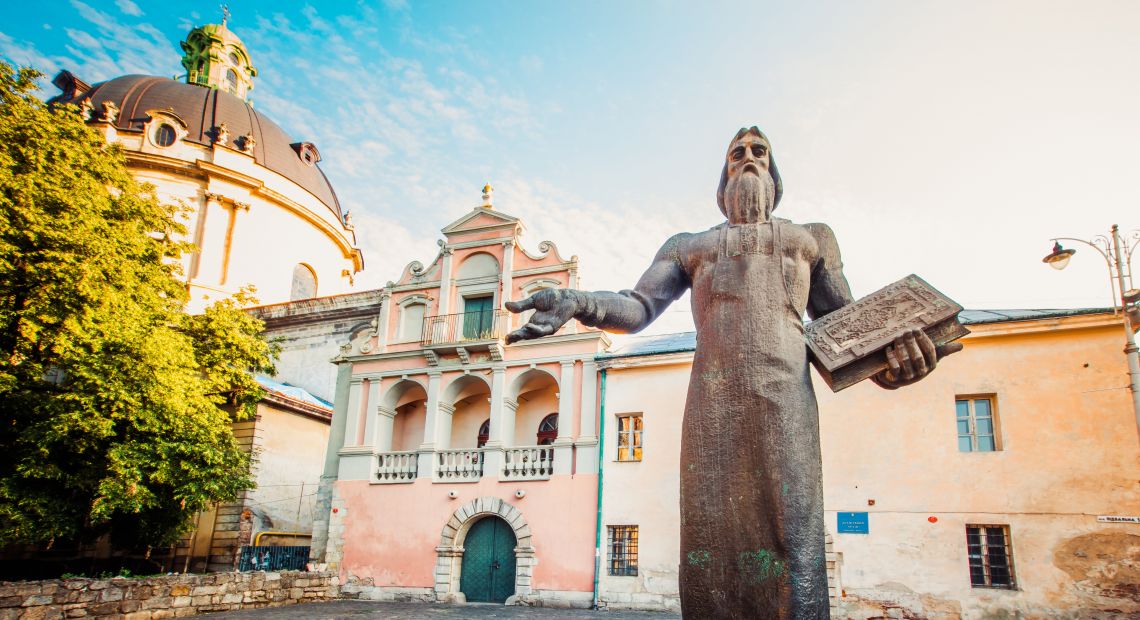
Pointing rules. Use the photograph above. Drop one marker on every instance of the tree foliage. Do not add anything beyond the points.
(115, 405)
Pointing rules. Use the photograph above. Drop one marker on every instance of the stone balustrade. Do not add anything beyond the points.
(458, 465)
(396, 467)
(528, 463)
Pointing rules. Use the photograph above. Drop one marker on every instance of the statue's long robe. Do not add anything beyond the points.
(752, 530)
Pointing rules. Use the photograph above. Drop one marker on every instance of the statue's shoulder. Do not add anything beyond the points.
(824, 237)
(822, 232)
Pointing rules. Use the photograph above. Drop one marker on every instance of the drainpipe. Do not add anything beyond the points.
(601, 460)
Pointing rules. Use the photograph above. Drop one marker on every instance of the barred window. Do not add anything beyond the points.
(629, 437)
(623, 550)
(977, 430)
(991, 556)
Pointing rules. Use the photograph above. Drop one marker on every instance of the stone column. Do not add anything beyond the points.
(445, 282)
(369, 422)
(508, 271)
(383, 322)
(323, 508)
(385, 422)
(353, 413)
(587, 441)
(510, 407)
(564, 444)
(493, 450)
(443, 426)
(431, 420)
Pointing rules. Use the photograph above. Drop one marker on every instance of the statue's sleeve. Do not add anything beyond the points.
(633, 310)
(829, 288)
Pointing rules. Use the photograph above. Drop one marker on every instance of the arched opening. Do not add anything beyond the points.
(536, 392)
(455, 544)
(478, 265)
(484, 433)
(548, 430)
(470, 397)
(232, 81)
(304, 282)
(488, 571)
(409, 402)
(411, 321)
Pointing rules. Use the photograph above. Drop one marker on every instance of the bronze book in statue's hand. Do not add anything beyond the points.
(849, 344)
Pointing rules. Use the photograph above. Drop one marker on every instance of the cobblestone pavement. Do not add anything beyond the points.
(372, 610)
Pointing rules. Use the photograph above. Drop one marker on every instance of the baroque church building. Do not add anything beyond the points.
(259, 209)
(261, 213)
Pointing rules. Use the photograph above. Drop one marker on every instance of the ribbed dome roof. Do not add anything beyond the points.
(202, 109)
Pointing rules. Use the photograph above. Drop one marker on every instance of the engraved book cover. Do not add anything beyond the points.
(848, 345)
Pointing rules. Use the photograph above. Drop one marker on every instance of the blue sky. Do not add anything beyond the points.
(946, 139)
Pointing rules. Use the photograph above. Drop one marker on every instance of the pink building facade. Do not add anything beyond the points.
(460, 469)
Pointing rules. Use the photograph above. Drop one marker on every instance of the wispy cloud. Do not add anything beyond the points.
(129, 8)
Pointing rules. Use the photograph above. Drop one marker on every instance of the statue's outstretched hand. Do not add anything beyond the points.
(552, 308)
(911, 357)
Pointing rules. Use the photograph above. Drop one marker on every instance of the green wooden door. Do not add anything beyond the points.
(488, 573)
(478, 318)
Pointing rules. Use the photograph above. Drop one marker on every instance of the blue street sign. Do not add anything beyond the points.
(853, 523)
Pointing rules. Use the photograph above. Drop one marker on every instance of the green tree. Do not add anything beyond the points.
(115, 405)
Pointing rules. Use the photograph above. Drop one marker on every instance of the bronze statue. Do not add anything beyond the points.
(752, 530)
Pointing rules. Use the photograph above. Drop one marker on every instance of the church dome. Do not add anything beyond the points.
(203, 109)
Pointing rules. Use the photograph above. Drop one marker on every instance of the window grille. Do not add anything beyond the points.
(629, 437)
(623, 550)
(548, 430)
(977, 431)
(991, 556)
(165, 135)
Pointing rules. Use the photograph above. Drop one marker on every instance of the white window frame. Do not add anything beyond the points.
(972, 422)
(635, 437)
(403, 304)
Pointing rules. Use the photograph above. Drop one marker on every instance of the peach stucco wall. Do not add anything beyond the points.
(391, 531)
(1069, 453)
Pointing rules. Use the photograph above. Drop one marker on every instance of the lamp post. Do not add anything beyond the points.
(1118, 256)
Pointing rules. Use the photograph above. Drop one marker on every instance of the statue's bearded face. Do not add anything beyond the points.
(749, 191)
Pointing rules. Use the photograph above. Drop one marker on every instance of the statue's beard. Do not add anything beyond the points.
(748, 197)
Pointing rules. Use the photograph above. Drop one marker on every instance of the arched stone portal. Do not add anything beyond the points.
(449, 553)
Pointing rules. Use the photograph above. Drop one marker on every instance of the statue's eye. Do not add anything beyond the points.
(758, 150)
(738, 153)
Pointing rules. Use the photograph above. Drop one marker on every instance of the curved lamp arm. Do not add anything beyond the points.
(1101, 244)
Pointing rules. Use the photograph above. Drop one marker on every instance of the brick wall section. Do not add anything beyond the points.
(160, 597)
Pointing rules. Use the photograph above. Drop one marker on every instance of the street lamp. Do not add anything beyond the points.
(1118, 257)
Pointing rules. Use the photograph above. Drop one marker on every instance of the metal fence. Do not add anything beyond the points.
(273, 558)
(483, 324)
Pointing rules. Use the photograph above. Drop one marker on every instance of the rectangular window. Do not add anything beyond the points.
(977, 429)
(478, 317)
(629, 437)
(623, 550)
(991, 556)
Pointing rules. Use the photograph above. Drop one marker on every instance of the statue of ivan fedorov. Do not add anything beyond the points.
(752, 528)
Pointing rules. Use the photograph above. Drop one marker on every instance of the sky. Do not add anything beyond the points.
(948, 139)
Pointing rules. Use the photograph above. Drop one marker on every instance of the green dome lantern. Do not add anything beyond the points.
(215, 57)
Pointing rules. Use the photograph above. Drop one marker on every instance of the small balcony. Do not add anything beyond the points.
(458, 465)
(508, 464)
(397, 467)
(527, 463)
(473, 331)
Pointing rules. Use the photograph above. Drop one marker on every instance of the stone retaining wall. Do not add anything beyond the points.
(160, 597)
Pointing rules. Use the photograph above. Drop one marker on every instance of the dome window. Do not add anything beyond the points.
(165, 135)
(304, 282)
(307, 152)
(231, 81)
(235, 60)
